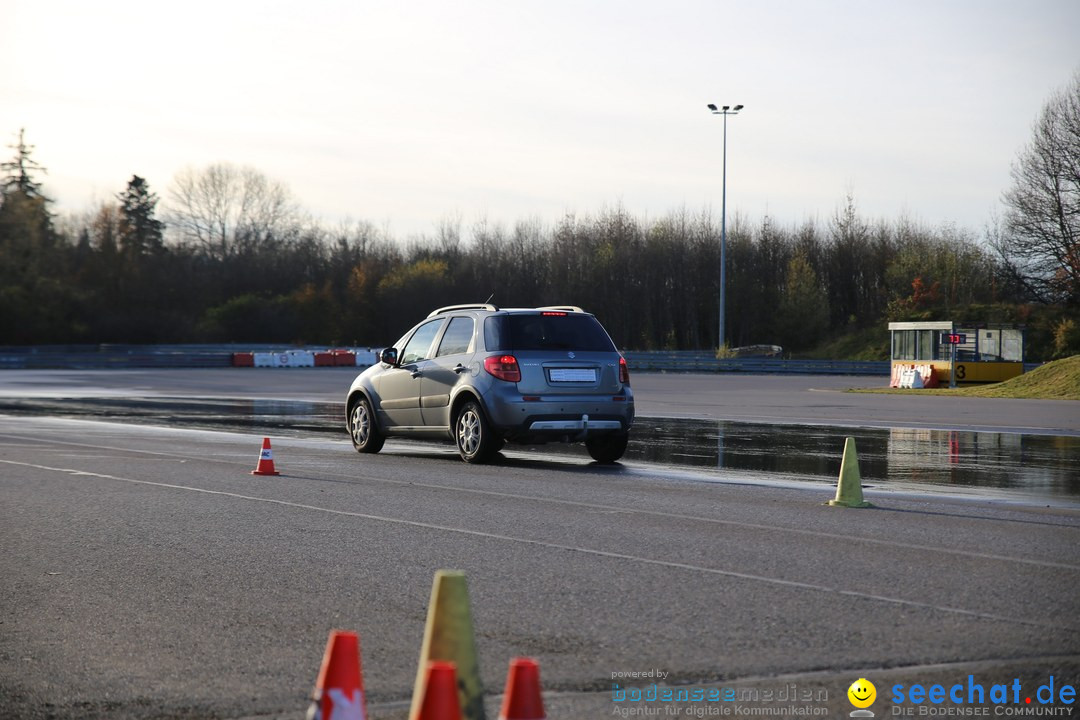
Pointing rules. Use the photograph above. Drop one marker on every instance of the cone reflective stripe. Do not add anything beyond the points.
(266, 461)
(448, 636)
(339, 690)
(849, 486)
(440, 701)
(522, 700)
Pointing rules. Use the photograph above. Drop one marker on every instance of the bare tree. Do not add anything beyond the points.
(1041, 238)
(226, 209)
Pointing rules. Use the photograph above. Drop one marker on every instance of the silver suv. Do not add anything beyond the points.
(483, 376)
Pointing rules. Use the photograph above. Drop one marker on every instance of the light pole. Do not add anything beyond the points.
(725, 111)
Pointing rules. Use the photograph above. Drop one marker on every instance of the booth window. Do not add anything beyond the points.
(914, 345)
(925, 351)
(1012, 345)
(903, 345)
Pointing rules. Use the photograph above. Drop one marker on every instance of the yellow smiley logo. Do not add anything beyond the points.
(862, 693)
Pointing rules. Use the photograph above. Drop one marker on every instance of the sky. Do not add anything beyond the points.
(411, 114)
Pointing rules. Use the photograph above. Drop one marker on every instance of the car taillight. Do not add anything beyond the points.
(504, 367)
(624, 371)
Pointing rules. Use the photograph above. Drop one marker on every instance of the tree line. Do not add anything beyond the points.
(229, 256)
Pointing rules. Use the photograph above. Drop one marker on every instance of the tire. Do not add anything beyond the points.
(364, 431)
(607, 448)
(475, 441)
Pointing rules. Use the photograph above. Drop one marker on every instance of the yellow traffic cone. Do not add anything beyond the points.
(849, 487)
(448, 636)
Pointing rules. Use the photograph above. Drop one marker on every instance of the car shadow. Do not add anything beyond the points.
(520, 457)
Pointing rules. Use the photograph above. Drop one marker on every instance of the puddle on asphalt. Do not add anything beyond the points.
(1043, 466)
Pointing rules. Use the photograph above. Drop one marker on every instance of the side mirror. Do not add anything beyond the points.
(389, 356)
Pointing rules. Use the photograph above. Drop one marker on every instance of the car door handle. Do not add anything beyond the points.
(459, 368)
(415, 373)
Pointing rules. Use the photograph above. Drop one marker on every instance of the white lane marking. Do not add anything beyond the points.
(741, 524)
(635, 511)
(559, 546)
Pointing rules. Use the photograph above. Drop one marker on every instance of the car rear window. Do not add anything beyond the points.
(546, 332)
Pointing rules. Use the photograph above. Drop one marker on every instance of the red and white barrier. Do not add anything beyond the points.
(913, 376)
(289, 358)
(337, 357)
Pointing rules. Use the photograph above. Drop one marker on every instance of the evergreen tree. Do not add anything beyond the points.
(18, 178)
(804, 309)
(34, 300)
(140, 232)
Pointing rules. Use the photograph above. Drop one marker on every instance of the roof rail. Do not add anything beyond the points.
(566, 308)
(467, 306)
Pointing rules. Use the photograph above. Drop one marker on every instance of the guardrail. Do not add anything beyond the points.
(91, 357)
(707, 362)
(110, 356)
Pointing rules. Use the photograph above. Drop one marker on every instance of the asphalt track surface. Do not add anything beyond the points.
(147, 574)
(751, 398)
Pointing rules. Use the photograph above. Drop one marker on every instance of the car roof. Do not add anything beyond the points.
(488, 307)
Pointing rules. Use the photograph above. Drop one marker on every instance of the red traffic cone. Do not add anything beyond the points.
(440, 693)
(339, 690)
(522, 700)
(266, 460)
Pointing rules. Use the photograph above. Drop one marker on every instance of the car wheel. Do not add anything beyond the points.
(475, 441)
(365, 433)
(607, 448)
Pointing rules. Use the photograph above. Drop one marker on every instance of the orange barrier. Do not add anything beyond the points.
(344, 358)
(929, 377)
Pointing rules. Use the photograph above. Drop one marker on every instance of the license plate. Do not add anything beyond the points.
(576, 375)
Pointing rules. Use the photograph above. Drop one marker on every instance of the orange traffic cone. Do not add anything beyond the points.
(266, 460)
(522, 700)
(339, 690)
(440, 693)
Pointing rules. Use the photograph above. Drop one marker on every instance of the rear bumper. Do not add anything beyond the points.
(518, 417)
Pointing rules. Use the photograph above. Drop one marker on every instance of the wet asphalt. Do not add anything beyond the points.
(792, 399)
(698, 422)
(147, 573)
